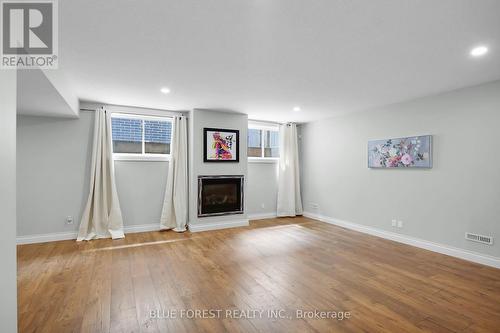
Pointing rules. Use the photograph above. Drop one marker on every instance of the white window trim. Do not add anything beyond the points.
(140, 116)
(142, 156)
(263, 159)
(263, 127)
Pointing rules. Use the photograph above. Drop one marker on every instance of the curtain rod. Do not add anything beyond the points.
(250, 120)
(168, 113)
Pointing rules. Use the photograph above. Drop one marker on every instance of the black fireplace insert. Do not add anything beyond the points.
(220, 195)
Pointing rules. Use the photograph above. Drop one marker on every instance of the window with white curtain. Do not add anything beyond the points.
(139, 137)
(263, 142)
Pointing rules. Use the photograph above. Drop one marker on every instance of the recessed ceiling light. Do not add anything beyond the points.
(479, 51)
(296, 108)
(165, 90)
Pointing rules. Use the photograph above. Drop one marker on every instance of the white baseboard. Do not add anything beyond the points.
(58, 236)
(141, 228)
(262, 216)
(197, 227)
(431, 246)
(44, 238)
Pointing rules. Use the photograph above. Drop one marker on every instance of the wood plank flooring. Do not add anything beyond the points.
(276, 264)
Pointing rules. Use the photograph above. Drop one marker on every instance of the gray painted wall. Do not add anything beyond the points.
(262, 188)
(460, 193)
(206, 118)
(8, 286)
(141, 188)
(53, 164)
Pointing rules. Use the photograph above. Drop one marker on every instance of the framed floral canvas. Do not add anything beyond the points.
(221, 145)
(409, 152)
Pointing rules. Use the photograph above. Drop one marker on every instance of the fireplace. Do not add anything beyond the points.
(220, 195)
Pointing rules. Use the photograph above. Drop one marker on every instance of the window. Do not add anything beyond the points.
(254, 142)
(263, 142)
(139, 137)
(271, 144)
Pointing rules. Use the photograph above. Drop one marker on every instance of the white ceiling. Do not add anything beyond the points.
(263, 57)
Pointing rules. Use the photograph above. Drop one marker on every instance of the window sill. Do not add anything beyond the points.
(140, 158)
(271, 160)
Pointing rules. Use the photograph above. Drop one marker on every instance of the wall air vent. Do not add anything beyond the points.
(479, 238)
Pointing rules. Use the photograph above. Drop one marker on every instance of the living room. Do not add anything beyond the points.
(250, 166)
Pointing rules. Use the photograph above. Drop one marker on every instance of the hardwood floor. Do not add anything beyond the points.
(289, 264)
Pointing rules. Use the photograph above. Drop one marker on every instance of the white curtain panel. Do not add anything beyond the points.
(289, 200)
(175, 206)
(102, 217)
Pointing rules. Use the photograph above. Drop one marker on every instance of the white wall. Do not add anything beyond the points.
(8, 285)
(460, 193)
(53, 164)
(200, 119)
(44, 93)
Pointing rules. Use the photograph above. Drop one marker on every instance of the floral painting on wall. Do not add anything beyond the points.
(410, 152)
(221, 145)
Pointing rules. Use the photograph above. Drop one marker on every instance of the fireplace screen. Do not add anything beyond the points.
(220, 195)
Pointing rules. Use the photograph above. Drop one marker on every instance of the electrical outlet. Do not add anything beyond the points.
(263, 205)
(394, 223)
(314, 205)
(69, 220)
(400, 224)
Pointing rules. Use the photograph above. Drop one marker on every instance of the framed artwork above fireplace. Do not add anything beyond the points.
(221, 145)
